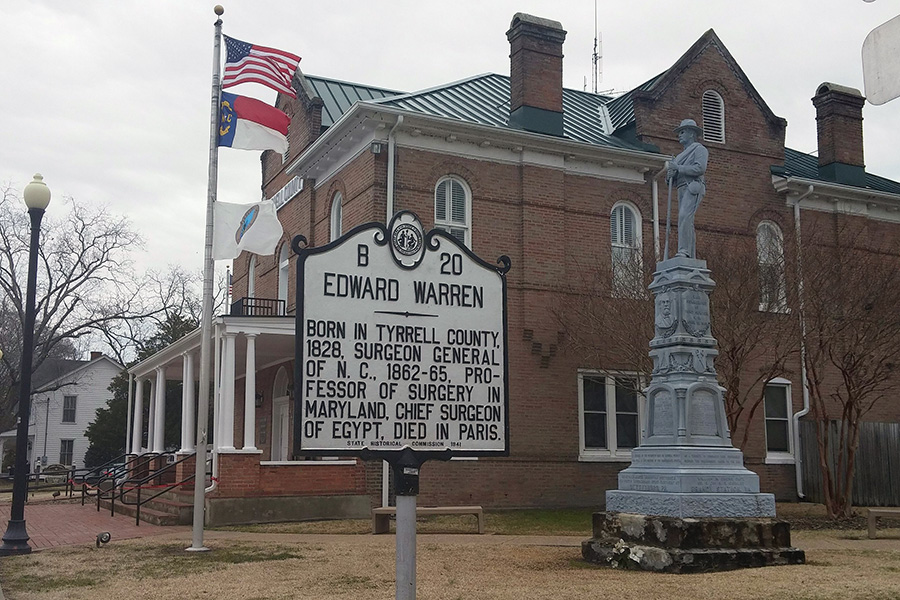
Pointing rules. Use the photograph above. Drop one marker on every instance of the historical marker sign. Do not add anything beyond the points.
(401, 343)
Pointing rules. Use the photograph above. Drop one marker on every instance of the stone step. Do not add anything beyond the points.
(148, 515)
(159, 511)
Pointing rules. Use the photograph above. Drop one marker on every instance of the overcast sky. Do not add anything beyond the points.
(110, 100)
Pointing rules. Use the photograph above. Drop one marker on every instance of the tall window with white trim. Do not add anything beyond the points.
(453, 208)
(778, 421)
(713, 117)
(609, 415)
(69, 405)
(336, 216)
(284, 271)
(66, 451)
(770, 258)
(251, 277)
(627, 262)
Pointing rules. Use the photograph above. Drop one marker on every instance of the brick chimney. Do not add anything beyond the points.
(535, 74)
(839, 125)
(96, 355)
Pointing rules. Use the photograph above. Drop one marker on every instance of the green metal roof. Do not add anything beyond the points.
(799, 164)
(621, 109)
(484, 99)
(338, 96)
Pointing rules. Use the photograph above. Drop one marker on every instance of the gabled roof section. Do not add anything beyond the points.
(672, 75)
(53, 370)
(621, 109)
(484, 100)
(806, 166)
(338, 96)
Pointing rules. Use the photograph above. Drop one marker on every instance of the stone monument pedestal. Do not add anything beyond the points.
(675, 545)
(687, 503)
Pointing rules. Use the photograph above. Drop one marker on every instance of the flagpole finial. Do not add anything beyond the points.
(219, 10)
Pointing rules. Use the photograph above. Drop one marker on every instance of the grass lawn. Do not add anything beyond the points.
(252, 564)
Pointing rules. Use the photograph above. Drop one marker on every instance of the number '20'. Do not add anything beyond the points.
(451, 264)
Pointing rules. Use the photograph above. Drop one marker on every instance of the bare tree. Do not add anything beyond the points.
(86, 283)
(607, 316)
(851, 292)
(756, 333)
(606, 313)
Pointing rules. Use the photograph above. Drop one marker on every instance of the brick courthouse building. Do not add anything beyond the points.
(556, 179)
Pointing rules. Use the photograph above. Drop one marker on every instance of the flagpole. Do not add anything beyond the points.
(207, 306)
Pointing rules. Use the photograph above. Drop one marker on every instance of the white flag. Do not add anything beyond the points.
(251, 227)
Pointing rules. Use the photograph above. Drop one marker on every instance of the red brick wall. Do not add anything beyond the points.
(555, 226)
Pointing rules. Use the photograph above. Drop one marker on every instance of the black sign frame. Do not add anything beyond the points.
(382, 236)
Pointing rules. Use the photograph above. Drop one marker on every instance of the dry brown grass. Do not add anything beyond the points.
(313, 566)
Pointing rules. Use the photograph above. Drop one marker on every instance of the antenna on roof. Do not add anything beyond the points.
(597, 57)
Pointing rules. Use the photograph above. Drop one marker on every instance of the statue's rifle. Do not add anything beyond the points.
(668, 216)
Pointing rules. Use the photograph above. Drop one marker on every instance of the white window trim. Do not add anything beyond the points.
(638, 248)
(284, 274)
(74, 409)
(612, 453)
(781, 458)
(72, 451)
(439, 223)
(720, 102)
(783, 307)
(337, 216)
(251, 277)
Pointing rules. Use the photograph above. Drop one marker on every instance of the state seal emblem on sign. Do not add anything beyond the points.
(407, 239)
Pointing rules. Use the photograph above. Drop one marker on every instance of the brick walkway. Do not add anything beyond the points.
(51, 524)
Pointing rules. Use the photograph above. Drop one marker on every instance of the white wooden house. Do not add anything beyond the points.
(66, 396)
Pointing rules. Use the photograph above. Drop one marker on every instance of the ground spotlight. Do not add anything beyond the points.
(103, 538)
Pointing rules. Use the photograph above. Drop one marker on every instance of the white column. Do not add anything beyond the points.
(250, 395)
(187, 402)
(128, 419)
(227, 421)
(159, 438)
(137, 430)
(217, 389)
(151, 419)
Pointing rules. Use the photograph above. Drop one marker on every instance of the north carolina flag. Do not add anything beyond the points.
(249, 124)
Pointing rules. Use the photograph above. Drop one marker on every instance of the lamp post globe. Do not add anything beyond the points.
(15, 540)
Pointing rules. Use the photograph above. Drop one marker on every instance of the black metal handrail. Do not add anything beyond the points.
(123, 488)
(106, 478)
(257, 307)
(80, 476)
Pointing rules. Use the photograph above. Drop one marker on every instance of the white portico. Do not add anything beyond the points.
(243, 345)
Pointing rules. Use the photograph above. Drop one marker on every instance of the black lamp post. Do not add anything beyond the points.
(15, 540)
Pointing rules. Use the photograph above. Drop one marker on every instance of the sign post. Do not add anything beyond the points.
(401, 355)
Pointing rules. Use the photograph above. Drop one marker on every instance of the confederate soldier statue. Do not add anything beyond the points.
(686, 173)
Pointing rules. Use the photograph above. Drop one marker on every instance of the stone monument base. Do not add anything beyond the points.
(676, 545)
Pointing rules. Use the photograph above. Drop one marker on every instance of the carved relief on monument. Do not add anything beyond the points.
(666, 322)
(662, 407)
(695, 315)
(702, 412)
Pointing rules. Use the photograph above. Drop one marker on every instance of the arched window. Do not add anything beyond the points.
(336, 216)
(280, 387)
(770, 258)
(453, 208)
(627, 262)
(284, 263)
(713, 117)
(251, 277)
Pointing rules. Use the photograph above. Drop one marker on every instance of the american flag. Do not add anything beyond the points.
(249, 63)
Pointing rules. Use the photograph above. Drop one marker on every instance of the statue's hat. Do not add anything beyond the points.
(689, 124)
